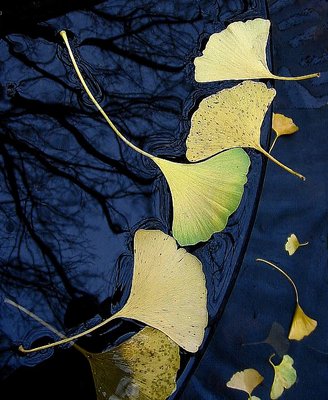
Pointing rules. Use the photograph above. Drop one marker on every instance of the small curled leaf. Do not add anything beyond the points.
(284, 376)
(293, 244)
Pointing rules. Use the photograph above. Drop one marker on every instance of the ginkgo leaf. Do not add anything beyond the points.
(302, 325)
(168, 292)
(143, 367)
(245, 380)
(284, 376)
(205, 194)
(282, 126)
(237, 53)
(231, 118)
(293, 244)
(277, 338)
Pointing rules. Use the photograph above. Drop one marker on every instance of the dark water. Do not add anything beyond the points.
(72, 194)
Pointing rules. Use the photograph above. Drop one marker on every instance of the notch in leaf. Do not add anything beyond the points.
(246, 380)
(143, 367)
(168, 292)
(282, 126)
(231, 118)
(238, 53)
(204, 195)
(284, 376)
(302, 325)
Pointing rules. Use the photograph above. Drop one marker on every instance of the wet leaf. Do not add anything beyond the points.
(284, 376)
(277, 338)
(293, 244)
(141, 368)
(245, 380)
(237, 53)
(302, 325)
(231, 118)
(205, 194)
(168, 292)
(282, 126)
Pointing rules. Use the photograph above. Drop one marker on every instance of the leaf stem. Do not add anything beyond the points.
(92, 98)
(273, 143)
(280, 163)
(283, 273)
(296, 78)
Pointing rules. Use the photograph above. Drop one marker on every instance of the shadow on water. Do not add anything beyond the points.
(72, 195)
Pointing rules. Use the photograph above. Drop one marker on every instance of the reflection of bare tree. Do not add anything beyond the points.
(66, 182)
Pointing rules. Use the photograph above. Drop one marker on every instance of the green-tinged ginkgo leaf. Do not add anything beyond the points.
(245, 380)
(205, 194)
(293, 244)
(168, 292)
(282, 126)
(237, 53)
(231, 118)
(143, 367)
(284, 376)
(302, 325)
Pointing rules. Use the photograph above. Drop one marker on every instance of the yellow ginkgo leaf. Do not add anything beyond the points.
(205, 194)
(143, 367)
(231, 118)
(282, 126)
(237, 53)
(168, 292)
(302, 325)
(293, 244)
(284, 376)
(245, 380)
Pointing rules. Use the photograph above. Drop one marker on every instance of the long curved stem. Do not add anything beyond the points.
(92, 98)
(283, 273)
(291, 171)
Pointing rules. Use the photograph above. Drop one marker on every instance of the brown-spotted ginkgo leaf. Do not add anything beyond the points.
(282, 126)
(231, 118)
(237, 53)
(246, 380)
(293, 244)
(284, 376)
(168, 292)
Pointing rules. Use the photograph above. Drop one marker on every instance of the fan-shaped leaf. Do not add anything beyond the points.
(237, 53)
(282, 126)
(245, 380)
(284, 376)
(231, 118)
(293, 244)
(302, 325)
(168, 292)
(205, 194)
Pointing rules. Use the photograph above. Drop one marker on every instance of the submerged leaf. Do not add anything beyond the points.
(293, 244)
(237, 53)
(284, 376)
(231, 118)
(277, 338)
(205, 194)
(141, 368)
(282, 126)
(302, 325)
(168, 292)
(245, 380)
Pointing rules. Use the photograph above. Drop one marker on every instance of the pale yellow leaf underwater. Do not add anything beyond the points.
(168, 292)
(238, 53)
(284, 376)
